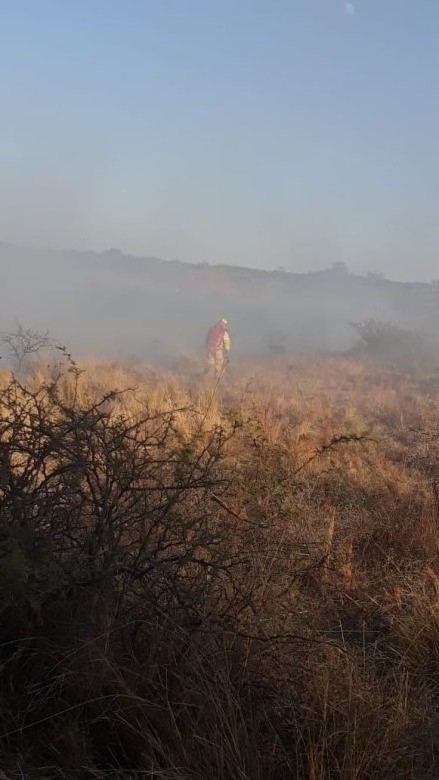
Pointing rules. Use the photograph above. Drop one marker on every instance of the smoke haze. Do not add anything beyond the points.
(114, 304)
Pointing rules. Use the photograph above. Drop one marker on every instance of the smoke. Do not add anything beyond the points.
(112, 304)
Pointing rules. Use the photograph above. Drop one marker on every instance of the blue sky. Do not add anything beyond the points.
(262, 133)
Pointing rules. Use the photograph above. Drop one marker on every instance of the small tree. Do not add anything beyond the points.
(388, 342)
(23, 343)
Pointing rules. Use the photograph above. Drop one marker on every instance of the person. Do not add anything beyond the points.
(218, 346)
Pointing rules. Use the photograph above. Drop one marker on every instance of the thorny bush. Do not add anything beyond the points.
(103, 519)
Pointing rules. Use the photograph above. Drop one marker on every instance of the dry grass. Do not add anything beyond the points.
(233, 582)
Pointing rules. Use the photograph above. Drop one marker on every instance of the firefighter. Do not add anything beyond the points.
(218, 347)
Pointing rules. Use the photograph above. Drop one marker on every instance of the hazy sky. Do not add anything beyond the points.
(256, 132)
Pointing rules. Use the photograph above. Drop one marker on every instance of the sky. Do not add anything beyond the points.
(262, 133)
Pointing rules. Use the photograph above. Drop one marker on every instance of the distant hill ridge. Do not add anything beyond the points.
(112, 302)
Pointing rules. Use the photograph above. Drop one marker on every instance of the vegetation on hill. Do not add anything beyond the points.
(109, 303)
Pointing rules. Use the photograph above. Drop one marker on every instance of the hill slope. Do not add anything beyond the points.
(110, 302)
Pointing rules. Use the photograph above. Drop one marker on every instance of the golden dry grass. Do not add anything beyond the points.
(310, 647)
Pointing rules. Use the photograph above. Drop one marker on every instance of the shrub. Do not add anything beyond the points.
(391, 344)
(23, 344)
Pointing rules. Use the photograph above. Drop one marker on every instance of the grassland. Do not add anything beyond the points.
(203, 582)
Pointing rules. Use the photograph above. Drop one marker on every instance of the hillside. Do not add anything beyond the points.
(114, 303)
